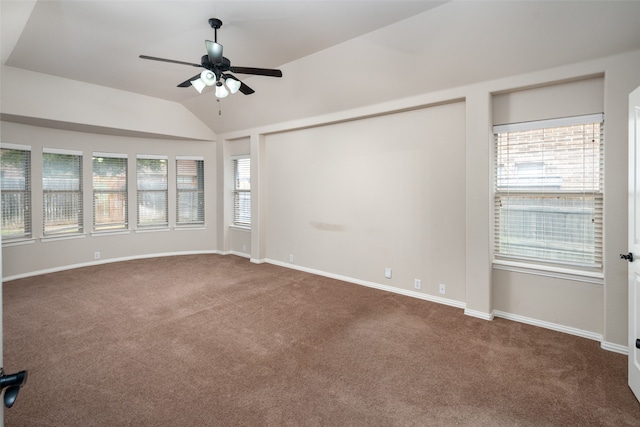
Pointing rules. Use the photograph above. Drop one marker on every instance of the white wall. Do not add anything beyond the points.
(40, 99)
(41, 255)
(353, 198)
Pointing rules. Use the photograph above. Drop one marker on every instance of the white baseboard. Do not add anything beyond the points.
(240, 254)
(548, 325)
(479, 314)
(616, 348)
(379, 286)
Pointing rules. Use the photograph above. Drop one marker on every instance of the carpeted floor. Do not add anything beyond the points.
(208, 340)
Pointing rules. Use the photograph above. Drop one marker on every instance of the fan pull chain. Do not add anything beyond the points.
(219, 110)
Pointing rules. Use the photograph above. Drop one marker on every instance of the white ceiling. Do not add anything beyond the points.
(99, 42)
(380, 49)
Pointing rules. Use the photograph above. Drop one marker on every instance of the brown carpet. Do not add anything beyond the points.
(208, 340)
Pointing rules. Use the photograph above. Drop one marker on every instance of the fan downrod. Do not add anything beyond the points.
(215, 23)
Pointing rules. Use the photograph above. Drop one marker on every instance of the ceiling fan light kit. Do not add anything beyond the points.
(199, 85)
(232, 84)
(221, 91)
(218, 68)
(208, 78)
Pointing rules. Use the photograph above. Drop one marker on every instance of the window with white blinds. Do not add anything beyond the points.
(242, 191)
(62, 191)
(549, 191)
(15, 181)
(189, 191)
(152, 197)
(110, 211)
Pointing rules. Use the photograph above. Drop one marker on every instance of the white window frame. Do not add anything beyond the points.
(120, 194)
(163, 222)
(78, 227)
(196, 195)
(238, 217)
(23, 195)
(556, 267)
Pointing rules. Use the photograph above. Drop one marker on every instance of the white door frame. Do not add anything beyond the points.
(634, 241)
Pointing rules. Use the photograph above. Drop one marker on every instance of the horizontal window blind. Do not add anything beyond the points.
(62, 191)
(189, 191)
(242, 191)
(15, 181)
(152, 191)
(110, 194)
(548, 204)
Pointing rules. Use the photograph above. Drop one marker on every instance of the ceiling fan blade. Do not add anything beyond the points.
(214, 51)
(187, 83)
(256, 71)
(243, 87)
(153, 58)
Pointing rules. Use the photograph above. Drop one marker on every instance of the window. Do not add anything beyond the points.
(62, 191)
(189, 191)
(109, 192)
(152, 197)
(15, 183)
(242, 191)
(548, 191)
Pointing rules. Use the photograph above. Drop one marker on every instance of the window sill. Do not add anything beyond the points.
(151, 229)
(55, 238)
(18, 242)
(109, 233)
(240, 227)
(189, 227)
(550, 271)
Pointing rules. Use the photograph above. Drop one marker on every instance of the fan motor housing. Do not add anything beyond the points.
(226, 64)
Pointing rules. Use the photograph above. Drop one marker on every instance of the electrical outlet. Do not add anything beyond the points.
(290, 257)
(387, 272)
(244, 248)
(96, 255)
(417, 283)
(443, 288)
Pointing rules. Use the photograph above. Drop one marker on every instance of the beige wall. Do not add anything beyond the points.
(353, 198)
(41, 99)
(563, 99)
(51, 254)
(576, 305)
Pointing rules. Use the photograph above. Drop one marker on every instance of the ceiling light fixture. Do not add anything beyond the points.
(232, 84)
(207, 78)
(216, 68)
(224, 86)
(221, 91)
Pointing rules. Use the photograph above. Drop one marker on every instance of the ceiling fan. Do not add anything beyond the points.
(218, 69)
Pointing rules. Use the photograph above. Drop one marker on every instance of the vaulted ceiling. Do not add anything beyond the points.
(334, 54)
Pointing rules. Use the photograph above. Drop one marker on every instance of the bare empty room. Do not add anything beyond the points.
(320, 213)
